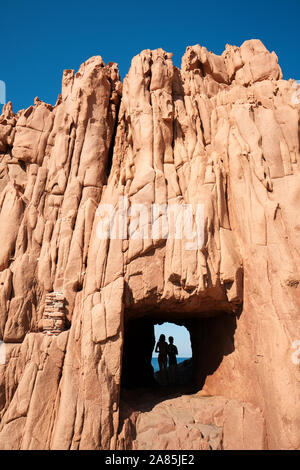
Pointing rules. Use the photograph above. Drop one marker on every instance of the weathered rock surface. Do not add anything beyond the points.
(192, 421)
(223, 132)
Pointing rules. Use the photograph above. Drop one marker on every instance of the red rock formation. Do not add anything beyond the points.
(194, 422)
(222, 132)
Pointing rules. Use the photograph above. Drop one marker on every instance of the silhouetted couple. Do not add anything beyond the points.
(166, 351)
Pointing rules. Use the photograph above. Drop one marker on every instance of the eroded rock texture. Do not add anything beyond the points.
(223, 132)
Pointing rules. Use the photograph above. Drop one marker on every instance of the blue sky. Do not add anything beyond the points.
(181, 338)
(40, 39)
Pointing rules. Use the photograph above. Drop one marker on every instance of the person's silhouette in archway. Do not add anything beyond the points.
(172, 353)
(162, 349)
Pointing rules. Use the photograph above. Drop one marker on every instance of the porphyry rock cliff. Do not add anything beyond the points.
(222, 132)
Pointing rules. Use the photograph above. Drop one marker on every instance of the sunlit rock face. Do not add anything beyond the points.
(220, 134)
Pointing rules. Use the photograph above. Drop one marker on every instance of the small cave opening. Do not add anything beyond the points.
(207, 339)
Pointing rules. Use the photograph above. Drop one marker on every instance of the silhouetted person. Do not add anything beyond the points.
(162, 349)
(172, 353)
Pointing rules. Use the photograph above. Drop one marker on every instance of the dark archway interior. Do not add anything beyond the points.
(212, 338)
(139, 341)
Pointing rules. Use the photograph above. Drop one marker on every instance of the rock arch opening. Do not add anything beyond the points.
(211, 337)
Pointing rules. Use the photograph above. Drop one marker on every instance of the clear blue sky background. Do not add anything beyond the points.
(181, 338)
(39, 39)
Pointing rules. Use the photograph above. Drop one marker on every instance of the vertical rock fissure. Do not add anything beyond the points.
(110, 153)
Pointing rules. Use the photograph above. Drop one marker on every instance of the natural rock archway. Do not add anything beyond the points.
(151, 403)
(212, 337)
